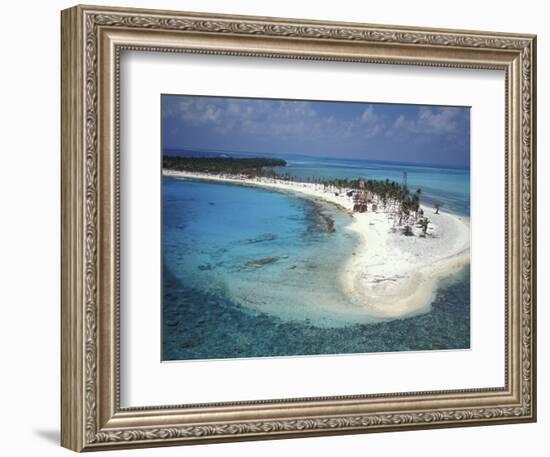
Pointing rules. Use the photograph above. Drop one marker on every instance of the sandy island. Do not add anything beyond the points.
(390, 275)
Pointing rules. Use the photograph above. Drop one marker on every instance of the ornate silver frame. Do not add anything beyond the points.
(92, 40)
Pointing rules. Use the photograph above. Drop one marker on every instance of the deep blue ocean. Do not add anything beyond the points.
(243, 266)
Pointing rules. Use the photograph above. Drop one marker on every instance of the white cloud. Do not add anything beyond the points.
(284, 119)
(428, 121)
(369, 115)
(298, 120)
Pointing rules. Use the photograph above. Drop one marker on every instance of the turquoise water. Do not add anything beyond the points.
(447, 186)
(269, 251)
(242, 267)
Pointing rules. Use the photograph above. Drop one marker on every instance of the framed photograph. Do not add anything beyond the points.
(274, 228)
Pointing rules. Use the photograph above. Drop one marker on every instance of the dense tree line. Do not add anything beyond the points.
(402, 201)
(228, 165)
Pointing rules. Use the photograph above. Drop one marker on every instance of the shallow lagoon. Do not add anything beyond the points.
(242, 267)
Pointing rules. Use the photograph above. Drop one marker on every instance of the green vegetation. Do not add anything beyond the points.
(249, 167)
(423, 223)
(402, 205)
(393, 197)
(397, 198)
(407, 230)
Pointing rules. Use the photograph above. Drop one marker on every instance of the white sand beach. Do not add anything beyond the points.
(390, 275)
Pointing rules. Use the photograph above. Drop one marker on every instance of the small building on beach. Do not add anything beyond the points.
(360, 202)
(362, 198)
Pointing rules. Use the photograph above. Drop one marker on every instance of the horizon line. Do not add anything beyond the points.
(221, 151)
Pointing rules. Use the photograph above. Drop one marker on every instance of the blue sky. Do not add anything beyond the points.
(391, 132)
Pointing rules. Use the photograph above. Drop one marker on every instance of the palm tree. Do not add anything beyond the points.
(424, 222)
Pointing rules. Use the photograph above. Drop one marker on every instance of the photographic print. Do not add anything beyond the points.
(212, 223)
(302, 227)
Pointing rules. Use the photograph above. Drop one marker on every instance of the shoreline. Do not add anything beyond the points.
(389, 275)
